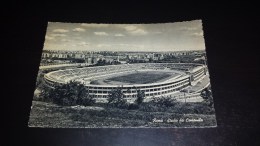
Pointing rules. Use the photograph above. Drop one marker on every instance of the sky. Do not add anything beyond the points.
(157, 37)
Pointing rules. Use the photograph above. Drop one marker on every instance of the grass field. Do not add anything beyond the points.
(50, 115)
(142, 77)
(139, 77)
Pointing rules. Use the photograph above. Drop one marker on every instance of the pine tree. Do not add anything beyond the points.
(140, 97)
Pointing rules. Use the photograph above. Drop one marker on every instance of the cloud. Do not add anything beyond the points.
(134, 30)
(194, 27)
(60, 30)
(139, 32)
(188, 28)
(77, 38)
(198, 34)
(103, 45)
(65, 40)
(123, 44)
(49, 38)
(94, 25)
(119, 35)
(130, 27)
(101, 33)
(83, 44)
(79, 29)
(157, 32)
(58, 35)
(130, 45)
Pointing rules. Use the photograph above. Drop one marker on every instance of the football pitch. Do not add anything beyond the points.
(139, 77)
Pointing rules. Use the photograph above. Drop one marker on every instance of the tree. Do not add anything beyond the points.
(163, 101)
(206, 93)
(140, 97)
(72, 93)
(207, 96)
(84, 97)
(116, 98)
(99, 62)
(104, 62)
(46, 93)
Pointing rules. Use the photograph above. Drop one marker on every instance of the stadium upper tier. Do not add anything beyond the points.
(64, 76)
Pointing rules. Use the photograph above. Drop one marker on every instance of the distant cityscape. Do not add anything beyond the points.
(53, 57)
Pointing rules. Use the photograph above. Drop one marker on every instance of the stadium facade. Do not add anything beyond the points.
(188, 74)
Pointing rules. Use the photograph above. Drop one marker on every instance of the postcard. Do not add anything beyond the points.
(123, 76)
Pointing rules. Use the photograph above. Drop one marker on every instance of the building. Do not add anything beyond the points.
(189, 73)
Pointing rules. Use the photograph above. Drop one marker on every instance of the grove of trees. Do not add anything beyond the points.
(72, 93)
(75, 93)
(116, 98)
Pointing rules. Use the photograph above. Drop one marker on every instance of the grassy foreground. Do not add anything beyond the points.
(50, 115)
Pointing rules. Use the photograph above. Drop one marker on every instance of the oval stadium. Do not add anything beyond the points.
(155, 79)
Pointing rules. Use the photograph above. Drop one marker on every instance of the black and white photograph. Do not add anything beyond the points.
(100, 75)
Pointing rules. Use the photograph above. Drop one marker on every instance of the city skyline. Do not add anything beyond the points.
(163, 37)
